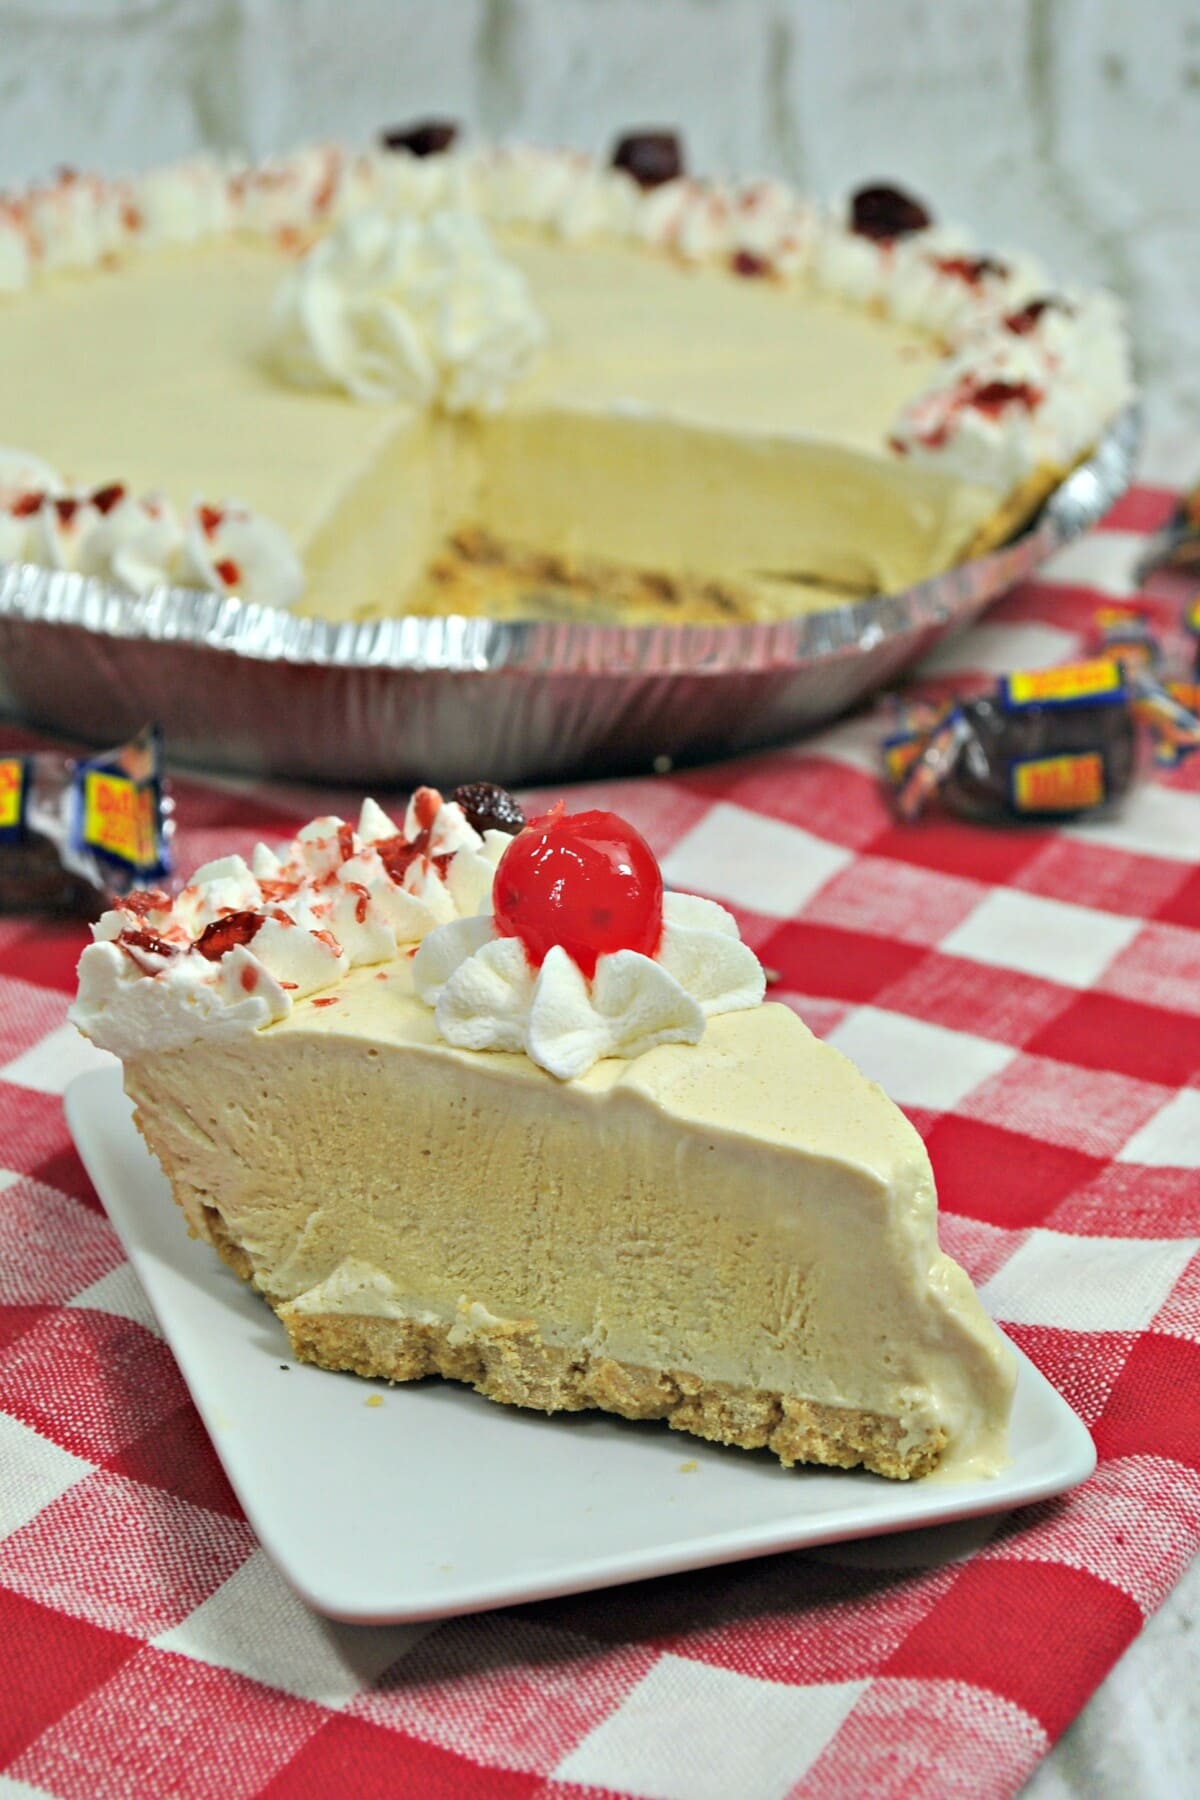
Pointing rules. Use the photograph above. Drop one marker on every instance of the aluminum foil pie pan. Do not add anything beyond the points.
(395, 701)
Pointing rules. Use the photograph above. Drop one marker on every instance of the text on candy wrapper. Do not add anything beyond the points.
(1059, 783)
(118, 816)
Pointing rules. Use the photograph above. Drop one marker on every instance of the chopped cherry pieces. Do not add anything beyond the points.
(132, 939)
(210, 518)
(427, 137)
(745, 262)
(586, 881)
(650, 157)
(27, 505)
(228, 571)
(66, 507)
(145, 900)
(1023, 321)
(991, 397)
(971, 269)
(227, 933)
(884, 213)
(426, 803)
(398, 855)
(105, 498)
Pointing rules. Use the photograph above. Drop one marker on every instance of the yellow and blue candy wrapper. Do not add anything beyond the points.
(1125, 634)
(76, 832)
(1043, 745)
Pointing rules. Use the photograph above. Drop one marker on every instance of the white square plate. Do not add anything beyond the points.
(437, 1501)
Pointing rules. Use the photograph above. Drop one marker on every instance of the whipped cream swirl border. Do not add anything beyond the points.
(1024, 386)
(138, 541)
(242, 941)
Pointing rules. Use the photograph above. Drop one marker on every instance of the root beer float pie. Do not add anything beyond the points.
(524, 383)
(478, 1099)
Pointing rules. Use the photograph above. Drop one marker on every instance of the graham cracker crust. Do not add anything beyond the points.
(1017, 509)
(478, 574)
(506, 1360)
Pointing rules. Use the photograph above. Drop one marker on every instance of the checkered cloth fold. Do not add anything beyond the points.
(1032, 998)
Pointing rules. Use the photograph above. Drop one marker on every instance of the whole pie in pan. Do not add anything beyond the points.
(518, 382)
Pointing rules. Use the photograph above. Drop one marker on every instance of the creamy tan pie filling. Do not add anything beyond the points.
(737, 1236)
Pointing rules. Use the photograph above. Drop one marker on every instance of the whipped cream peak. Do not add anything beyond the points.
(22, 473)
(185, 202)
(419, 310)
(374, 823)
(487, 995)
(229, 549)
(135, 544)
(243, 941)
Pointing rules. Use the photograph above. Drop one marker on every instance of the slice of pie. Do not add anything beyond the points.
(524, 384)
(485, 1103)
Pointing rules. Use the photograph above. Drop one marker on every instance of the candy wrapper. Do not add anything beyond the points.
(1175, 549)
(76, 832)
(1126, 634)
(1044, 744)
(1191, 619)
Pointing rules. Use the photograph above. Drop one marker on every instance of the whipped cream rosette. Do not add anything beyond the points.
(424, 311)
(581, 955)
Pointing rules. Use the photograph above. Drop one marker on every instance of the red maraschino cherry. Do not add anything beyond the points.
(587, 881)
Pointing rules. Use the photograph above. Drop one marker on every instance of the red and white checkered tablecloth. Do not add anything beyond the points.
(1032, 998)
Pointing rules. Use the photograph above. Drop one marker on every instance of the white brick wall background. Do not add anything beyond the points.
(1068, 126)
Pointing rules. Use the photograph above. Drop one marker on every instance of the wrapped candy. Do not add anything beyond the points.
(1175, 549)
(1044, 745)
(76, 832)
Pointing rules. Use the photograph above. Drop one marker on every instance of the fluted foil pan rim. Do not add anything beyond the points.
(458, 645)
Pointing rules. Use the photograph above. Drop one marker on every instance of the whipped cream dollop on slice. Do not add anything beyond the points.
(423, 311)
(486, 995)
(243, 941)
